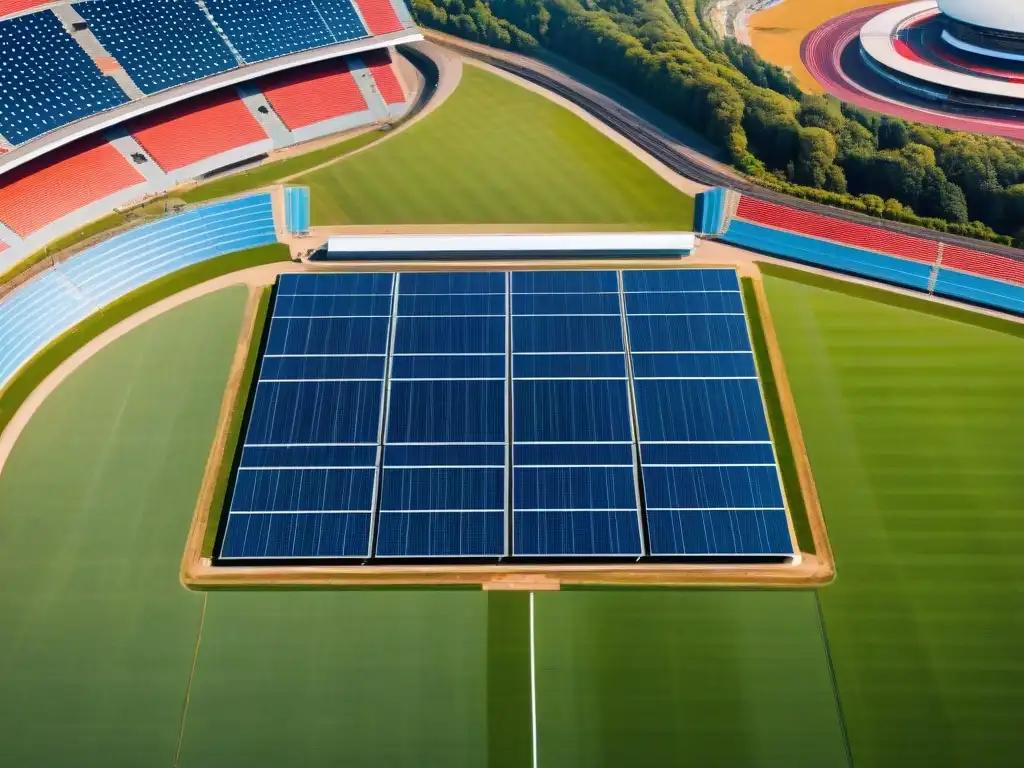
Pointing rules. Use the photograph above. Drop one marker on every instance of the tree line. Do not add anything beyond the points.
(809, 146)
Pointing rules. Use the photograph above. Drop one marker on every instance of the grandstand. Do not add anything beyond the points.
(318, 92)
(381, 68)
(380, 16)
(52, 303)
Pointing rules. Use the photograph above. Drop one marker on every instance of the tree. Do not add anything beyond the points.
(817, 153)
(941, 198)
(893, 133)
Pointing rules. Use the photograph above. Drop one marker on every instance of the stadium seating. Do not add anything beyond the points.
(980, 290)
(837, 230)
(196, 129)
(313, 93)
(51, 304)
(379, 64)
(47, 80)
(160, 44)
(987, 264)
(263, 29)
(61, 182)
(829, 255)
(8, 7)
(379, 16)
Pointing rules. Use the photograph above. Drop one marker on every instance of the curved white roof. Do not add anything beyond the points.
(876, 39)
(1005, 15)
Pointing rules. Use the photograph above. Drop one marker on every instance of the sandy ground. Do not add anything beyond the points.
(776, 33)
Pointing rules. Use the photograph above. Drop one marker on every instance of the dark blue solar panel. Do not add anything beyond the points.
(446, 412)
(315, 412)
(587, 333)
(448, 367)
(592, 410)
(680, 280)
(711, 485)
(700, 409)
(451, 282)
(699, 333)
(565, 304)
(286, 535)
(456, 455)
(300, 490)
(591, 533)
(721, 532)
(564, 455)
(527, 366)
(328, 335)
(565, 281)
(693, 365)
(574, 488)
(333, 306)
(453, 304)
(445, 489)
(323, 367)
(440, 534)
(684, 303)
(449, 335)
(310, 456)
(352, 283)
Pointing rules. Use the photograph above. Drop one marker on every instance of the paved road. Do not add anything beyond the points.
(676, 155)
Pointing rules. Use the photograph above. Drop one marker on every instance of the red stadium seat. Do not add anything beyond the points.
(61, 182)
(837, 230)
(196, 129)
(379, 64)
(379, 16)
(15, 6)
(312, 94)
(985, 264)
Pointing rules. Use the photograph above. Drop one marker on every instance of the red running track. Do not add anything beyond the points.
(822, 49)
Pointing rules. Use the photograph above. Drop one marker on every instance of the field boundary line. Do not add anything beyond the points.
(832, 678)
(533, 682)
(191, 676)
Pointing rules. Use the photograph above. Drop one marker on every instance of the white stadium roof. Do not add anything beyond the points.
(876, 39)
(1004, 15)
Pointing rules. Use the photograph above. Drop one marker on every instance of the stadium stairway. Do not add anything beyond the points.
(54, 302)
(101, 57)
(265, 115)
(126, 144)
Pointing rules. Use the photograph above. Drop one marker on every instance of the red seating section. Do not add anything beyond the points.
(314, 93)
(848, 233)
(61, 182)
(379, 64)
(14, 6)
(379, 16)
(986, 264)
(196, 129)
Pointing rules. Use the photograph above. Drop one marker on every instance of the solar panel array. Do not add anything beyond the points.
(539, 415)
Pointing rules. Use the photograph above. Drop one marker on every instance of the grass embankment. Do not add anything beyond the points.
(231, 444)
(47, 360)
(914, 423)
(773, 404)
(496, 153)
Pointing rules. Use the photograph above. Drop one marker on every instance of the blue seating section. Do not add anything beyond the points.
(160, 44)
(710, 211)
(46, 307)
(263, 29)
(980, 290)
(47, 80)
(296, 209)
(829, 255)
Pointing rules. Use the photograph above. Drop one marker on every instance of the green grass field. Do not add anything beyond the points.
(496, 153)
(914, 424)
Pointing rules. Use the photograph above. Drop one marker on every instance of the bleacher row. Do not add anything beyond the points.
(945, 270)
(177, 137)
(49, 80)
(52, 303)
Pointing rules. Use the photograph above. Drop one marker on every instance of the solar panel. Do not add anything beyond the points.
(445, 455)
(551, 414)
(574, 490)
(307, 473)
(710, 479)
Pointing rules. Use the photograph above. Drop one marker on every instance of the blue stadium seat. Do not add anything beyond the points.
(51, 304)
(980, 290)
(263, 29)
(47, 80)
(160, 44)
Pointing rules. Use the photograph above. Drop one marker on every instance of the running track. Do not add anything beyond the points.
(821, 51)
